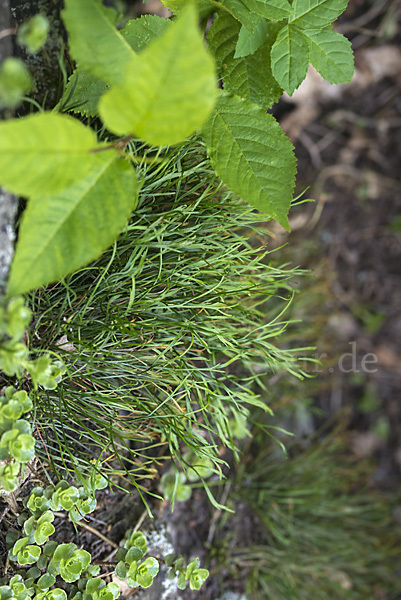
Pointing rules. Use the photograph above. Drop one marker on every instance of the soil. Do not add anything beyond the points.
(348, 144)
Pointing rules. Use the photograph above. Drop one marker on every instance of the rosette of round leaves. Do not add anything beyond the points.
(54, 594)
(135, 547)
(24, 553)
(196, 575)
(18, 442)
(69, 562)
(95, 482)
(12, 406)
(14, 318)
(46, 372)
(64, 497)
(87, 501)
(39, 500)
(83, 507)
(16, 588)
(77, 591)
(142, 574)
(173, 485)
(199, 466)
(138, 540)
(96, 589)
(41, 529)
(192, 571)
(9, 476)
(13, 357)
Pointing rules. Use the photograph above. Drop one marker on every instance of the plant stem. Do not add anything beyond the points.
(91, 529)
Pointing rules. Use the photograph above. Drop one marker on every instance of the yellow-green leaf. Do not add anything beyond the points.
(94, 41)
(61, 233)
(44, 153)
(169, 89)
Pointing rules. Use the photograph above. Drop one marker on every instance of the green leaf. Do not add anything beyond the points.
(330, 54)
(72, 567)
(182, 580)
(204, 7)
(139, 33)
(46, 581)
(274, 10)
(121, 570)
(82, 93)
(138, 540)
(192, 565)
(84, 90)
(56, 594)
(133, 554)
(43, 153)
(23, 448)
(169, 89)
(18, 317)
(198, 578)
(151, 565)
(239, 11)
(9, 476)
(63, 233)
(94, 584)
(144, 573)
(28, 555)
(173, 486)
(248, 42)
(290, 58)
(252, 155)
(15, 81)
(315, 14)
(94, 41)
(249, 77)
(33, 33)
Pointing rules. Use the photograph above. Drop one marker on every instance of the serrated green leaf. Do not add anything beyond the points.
(82, 93)
(44, 153)
(331, 54)
(62, 233)
(241, 13)
(252, 155)
(248, 42)
(169, 90)
(249, 77)
(139, 33)
(84, 90)
(204, 7)
(274, 10)
(94, 41)
(315, 14)
(290, 58)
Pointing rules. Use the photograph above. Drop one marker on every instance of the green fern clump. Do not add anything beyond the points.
(163, 336)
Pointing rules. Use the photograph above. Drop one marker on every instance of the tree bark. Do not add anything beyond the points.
(8, 202)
